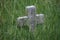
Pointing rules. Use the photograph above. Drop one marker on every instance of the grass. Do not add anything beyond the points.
(11, 9)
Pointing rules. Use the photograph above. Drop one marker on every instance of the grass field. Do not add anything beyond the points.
(11, 9)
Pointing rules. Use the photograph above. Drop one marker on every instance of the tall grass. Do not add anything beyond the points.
(11, 9)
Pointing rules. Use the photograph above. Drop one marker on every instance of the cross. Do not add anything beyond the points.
(32, 19)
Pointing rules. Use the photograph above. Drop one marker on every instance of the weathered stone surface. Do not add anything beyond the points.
(32, 19)
(24, 20)
(40, 18)
(31, 10)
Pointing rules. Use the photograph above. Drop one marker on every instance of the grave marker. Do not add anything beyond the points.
(32, 19)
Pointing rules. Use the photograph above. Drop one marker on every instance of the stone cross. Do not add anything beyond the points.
(32, 19)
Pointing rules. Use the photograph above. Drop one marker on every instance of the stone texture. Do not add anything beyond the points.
(31, 10)
(24, 20)
(32, 19)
